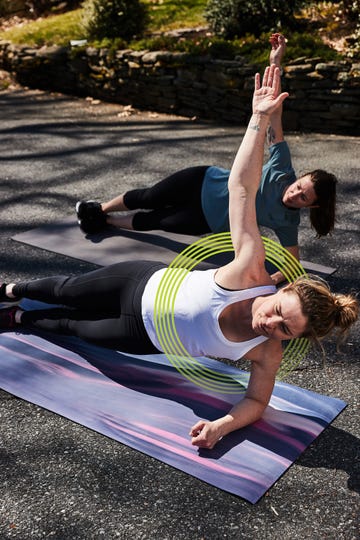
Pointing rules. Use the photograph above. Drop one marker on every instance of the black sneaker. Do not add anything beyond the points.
(4, 299)
(91, 218)
(88, 209)
(7, 318)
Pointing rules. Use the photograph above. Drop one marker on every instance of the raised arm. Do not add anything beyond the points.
(275, 132)
(248, 265)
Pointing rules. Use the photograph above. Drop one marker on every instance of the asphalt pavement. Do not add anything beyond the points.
(60, 480)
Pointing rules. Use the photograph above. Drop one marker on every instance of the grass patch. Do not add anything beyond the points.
(170, 14)
(56, 29)
(59, 29)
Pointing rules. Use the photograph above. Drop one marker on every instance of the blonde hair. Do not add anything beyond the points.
(324, 310)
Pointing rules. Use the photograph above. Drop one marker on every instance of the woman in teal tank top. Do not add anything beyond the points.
(195, 200)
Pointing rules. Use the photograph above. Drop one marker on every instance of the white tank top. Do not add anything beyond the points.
(198, 305)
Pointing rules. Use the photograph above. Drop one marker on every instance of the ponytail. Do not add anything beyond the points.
(324, 310)
(346, 312)
(322, 216)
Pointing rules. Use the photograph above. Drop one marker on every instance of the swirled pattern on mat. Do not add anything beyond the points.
(145, 403)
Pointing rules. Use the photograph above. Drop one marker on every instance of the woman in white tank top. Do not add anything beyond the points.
(289, 313)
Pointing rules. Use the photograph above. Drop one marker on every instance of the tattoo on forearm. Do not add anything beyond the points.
(270, 135)
(255, 127)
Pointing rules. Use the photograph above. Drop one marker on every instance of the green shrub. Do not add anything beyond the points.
(235, 18)
(354, 44)
(114, 18)
(352, 10)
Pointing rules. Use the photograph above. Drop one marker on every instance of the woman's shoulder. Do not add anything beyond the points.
(237, 275)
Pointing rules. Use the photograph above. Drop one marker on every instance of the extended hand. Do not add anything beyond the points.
(278, 46)
(266, 98)
(205, 434)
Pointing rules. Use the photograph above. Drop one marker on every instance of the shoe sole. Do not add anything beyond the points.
(77, 206)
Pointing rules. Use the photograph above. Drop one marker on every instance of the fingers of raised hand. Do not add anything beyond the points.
(266, 76)
(275, 83)
(271, 77)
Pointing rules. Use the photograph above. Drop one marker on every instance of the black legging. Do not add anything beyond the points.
(104, 306)
(175, 204)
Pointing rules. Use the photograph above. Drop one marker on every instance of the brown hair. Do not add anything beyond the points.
(324, 310)
(322, 218)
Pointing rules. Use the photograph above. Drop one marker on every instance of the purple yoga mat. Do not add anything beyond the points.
(145, 403)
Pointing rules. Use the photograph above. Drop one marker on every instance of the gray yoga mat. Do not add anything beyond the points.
(116, 245)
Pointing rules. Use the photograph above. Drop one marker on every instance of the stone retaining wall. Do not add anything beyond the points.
(324, 97)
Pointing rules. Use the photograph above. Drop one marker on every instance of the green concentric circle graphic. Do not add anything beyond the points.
(164, 317)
